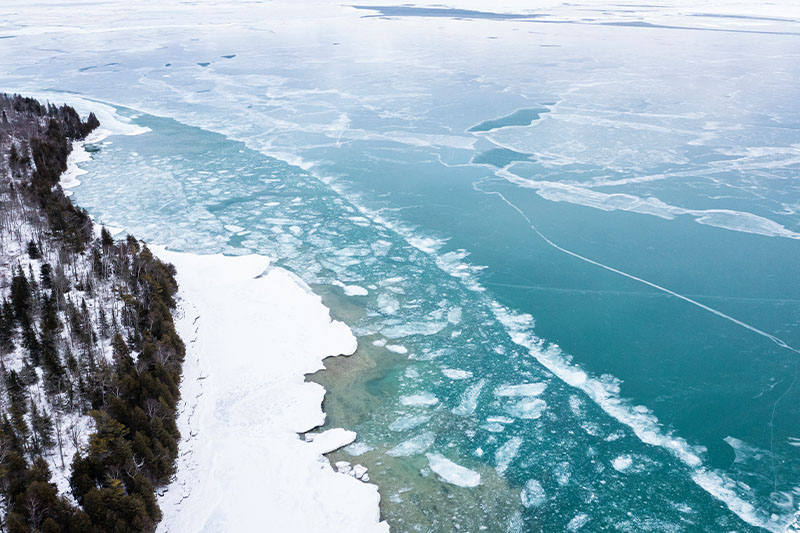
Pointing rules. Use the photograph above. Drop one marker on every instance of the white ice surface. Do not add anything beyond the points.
(414, 445)
(355, 290)
(533, 495)
(527, 408)
(423, 398)
(251, 337)
(506, 454)
(622, 463)
(406, 422)
(331, 440)
(469, 400)
(526, 389)
(453, 473)
(69, 178)
(397, 348)
(456, 373)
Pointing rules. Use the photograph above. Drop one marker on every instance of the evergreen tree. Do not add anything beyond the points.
(31, 341)
(104, 326)
(135, 441)
(51, 326)
(20, 294)
(7, 328)
(121, 353)
(46, 275)
(106, 240)
(33, 250)
(42, 426)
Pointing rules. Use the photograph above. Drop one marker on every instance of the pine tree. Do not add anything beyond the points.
(121, 352)
(104, 326)
(42, 426)
(20, 294)
(15, 389)
(34, 285)
(51, 326)
(106, 240)
(31, 341)
(7, 328)
(46, 275)
(33, 250)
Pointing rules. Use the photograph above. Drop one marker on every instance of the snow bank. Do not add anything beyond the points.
(69, 178)
(252, 333)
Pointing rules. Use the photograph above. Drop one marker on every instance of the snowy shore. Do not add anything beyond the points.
(252, 333)
(251, 337)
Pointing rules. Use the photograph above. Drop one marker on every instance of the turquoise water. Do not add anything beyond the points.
(182, 186)
(603, 211)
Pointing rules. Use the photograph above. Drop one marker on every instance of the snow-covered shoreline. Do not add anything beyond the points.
(110, 124)
(252, 333)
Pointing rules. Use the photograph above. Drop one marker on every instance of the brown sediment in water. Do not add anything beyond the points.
(362, 391)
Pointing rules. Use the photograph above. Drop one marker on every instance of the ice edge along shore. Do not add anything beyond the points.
(251, 338)
(252, 333)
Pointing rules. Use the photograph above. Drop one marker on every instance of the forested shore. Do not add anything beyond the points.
(90, 362)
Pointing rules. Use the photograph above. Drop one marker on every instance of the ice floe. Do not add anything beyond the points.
(419, 399)
(457, 374)
(469, 400)
(533, 495)
(413, 446)
(506, 453)
(453, 473)
(527, 389)
(527, 408)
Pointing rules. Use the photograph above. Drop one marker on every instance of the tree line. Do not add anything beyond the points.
(86, 330)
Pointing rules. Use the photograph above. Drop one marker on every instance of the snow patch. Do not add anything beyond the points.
(69, 178)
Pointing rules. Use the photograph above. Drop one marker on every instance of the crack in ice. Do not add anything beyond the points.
(780, 342)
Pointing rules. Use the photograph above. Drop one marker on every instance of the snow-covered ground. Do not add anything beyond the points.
(72, 428)
(252, 333)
